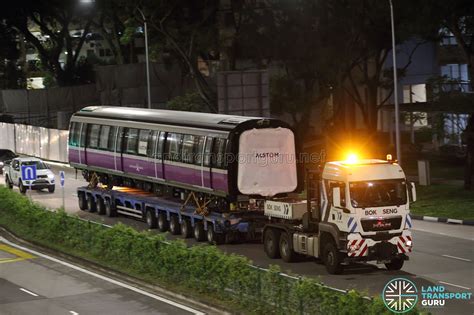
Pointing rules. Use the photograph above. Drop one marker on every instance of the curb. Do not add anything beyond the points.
(442, 220)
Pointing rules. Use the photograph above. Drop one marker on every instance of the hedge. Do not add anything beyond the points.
(202, 271)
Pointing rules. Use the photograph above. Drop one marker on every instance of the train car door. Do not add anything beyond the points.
(118, 160)
(204, 158)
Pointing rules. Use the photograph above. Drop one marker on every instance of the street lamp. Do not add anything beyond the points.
(147, 60)
(395, 90)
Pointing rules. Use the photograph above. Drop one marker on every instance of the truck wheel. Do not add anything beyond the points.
(110, 210)
(162, 222)
(21, 187)
(91, 205)
(51, 189)
(332, 259)
(151, 220)
(199, 233)
(186, 229)
(286, 250)
(100, 206)
(271, 240)
(175, 227)
(8, 183)
(395, 264)
(213, 237)
(82, 201)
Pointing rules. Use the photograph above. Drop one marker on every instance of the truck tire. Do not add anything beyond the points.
(163, 223)
(110, 210)
(91, 205)
(213, 237)
(175, 227)
(81, 198)
(186, 229)
(395, 264)
(8, 183)
(51, 189)
(100, 206)
(21, 187)
(271, 239)
(332, 259)
(286, 250)
(199, 233)
(150, 218)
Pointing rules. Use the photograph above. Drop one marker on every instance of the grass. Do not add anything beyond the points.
(447, 201)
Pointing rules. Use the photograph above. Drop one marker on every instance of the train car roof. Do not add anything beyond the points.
(169, 117)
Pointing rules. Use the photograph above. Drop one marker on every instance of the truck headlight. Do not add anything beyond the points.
(1, 164)
(51, 176)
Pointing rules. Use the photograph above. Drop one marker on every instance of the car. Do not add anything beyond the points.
(5, 155)
(44, 176)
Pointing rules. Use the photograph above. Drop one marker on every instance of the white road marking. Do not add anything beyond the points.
(116, 282)
(458, 258)
(74, 313)
(455, 285)
(29, 292)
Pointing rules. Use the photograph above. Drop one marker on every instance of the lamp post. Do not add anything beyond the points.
(147, 60)
(395, 90)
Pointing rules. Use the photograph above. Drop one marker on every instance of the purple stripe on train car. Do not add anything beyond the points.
(219, 181)
(183, 174)
(73, 155)
(104, 160)
(139, 167)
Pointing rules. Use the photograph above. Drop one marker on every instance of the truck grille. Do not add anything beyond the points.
(42, 176)
(381, 224)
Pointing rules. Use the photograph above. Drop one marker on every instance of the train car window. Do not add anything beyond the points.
(152, 143)
(173, 147)
(104, 138)
(131, 141)
(218, 153)
(143, 141)
(159, 147)
(112, 138)
(199, 154)
(208, 152)
(93, 137)
(82, 140)
(189, 148)
(74, 134)
(120, 136)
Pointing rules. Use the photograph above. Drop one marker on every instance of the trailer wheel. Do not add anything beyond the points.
(395, 264)
(8, 183)
(213, 237)
(271, 238)
(21, 187)
(162, 222)
(91, 205)
(151, 220)
(81, 198)
(100, 206)
(175, 227)
(199, 233)
(286, 250)
(332, 259)
(186, 229)
(109, 208)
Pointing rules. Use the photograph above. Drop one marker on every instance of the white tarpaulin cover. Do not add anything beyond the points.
(267, 162)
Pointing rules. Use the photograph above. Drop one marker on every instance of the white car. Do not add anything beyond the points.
(44, 176)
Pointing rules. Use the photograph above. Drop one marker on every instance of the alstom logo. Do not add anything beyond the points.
(267, 155)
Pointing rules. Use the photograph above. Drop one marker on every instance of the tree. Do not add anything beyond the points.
(10, 76)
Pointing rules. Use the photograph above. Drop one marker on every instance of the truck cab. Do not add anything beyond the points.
(359, 211)
(44, 176)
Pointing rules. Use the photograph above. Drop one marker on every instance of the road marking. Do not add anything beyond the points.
(99, 276)
(74, 313)
(455, 285)
(19, 255)
(29, 292)
(458, 258)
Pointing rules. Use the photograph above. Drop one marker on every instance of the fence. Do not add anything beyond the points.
(45, 143)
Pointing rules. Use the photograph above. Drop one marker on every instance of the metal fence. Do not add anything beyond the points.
(45, 143)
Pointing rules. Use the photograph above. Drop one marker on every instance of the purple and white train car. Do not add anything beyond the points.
(219, 155)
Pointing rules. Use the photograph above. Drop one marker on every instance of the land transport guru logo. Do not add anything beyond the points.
(400, 295)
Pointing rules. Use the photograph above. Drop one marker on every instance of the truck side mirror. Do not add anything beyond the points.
(336, 197)
(412, 192)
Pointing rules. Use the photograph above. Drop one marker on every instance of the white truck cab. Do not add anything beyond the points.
(360, 212)
(44, 176)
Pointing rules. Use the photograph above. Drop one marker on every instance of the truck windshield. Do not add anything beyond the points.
(39, 164)
(378, 193)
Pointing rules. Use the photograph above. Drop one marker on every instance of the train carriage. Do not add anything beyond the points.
(222, 156)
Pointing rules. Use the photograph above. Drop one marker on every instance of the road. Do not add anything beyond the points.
(443, 254)
(34, 283)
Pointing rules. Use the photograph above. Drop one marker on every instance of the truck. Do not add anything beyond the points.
(13, 175)
(353, 211)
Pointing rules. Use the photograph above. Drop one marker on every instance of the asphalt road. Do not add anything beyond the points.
(34, 283)
(443, 254)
